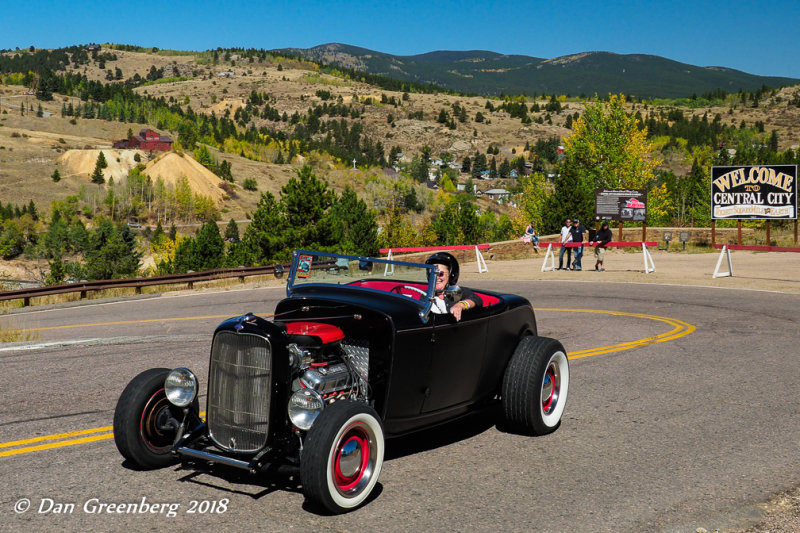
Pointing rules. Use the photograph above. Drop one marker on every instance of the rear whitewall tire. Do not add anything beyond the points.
(535, 386)
(553, 403)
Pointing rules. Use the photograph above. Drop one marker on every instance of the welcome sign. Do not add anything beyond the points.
(754, 192)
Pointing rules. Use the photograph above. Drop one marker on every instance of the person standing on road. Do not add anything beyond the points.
(566, 236)
(577, 232)
(603, 237)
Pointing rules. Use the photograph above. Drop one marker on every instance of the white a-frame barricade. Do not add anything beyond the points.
(481, 262)
(723, 253)
(649, 265)
(549, 255)
(388, 269)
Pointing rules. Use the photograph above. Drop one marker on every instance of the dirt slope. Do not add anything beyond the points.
(171, 166)
(81, 163)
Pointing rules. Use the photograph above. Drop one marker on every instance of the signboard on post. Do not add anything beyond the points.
(766, 192)
(620, 204)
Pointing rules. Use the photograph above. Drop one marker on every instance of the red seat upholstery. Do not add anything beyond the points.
(385, 285)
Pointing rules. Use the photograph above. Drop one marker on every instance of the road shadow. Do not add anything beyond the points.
(236, 481)
(444, 435)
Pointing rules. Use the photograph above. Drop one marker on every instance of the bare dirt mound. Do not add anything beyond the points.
(229, 103)
(81, 163)
(171, 166)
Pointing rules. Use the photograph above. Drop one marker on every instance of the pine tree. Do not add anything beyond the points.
(354, 226)
(262, 236)
(505, 168)
(158, 234)
(56, 176)
(97, 175)
(57, 272)
(773, 141)
(232, 231)
(112, 252)
(209, 249)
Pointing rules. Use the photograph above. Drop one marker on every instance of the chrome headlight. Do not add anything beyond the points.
(180, 387)
(305, 405)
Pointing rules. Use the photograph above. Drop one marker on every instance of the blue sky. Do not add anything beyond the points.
(759, 38)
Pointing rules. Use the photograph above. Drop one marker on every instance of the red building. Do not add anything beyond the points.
(147, 140)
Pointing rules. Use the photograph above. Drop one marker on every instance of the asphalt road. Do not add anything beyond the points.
(682, 414)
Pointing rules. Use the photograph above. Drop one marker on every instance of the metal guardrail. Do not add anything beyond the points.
(85, 287)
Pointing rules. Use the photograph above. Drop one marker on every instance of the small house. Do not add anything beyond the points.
(499, 195)
(146, 140)
(150, 140)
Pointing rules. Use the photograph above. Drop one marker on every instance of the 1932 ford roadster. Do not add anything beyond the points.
(353, 354)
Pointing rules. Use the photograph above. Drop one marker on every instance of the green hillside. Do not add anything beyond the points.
(490, 73)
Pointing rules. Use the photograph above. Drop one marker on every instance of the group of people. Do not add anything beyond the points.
(573, 232)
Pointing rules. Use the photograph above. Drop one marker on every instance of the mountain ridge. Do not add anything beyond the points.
(584, 73)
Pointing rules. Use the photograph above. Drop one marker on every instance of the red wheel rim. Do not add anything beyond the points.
(352, 457)
(152, 436)
(549, 389)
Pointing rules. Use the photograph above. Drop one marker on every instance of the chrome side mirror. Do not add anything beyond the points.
(452, 294)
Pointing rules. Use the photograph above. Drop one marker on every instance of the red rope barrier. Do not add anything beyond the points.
(758, 247)
(435, 248)
(613, 244)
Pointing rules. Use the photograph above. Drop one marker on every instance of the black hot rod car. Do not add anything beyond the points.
(353, 354)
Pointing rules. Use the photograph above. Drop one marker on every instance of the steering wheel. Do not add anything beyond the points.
(398, 288)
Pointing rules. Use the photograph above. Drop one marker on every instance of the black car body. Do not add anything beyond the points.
(352, 354)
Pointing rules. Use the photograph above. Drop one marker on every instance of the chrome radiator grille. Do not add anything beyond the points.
(239, 383)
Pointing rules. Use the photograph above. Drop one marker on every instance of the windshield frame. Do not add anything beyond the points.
(299, 270)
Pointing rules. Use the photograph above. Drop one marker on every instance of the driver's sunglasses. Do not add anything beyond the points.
(441, 274)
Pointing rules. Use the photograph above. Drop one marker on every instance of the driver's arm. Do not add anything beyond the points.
(470, 301)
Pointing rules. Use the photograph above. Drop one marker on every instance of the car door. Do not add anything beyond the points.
(456, 357)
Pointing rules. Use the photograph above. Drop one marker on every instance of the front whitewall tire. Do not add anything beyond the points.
(342, 456)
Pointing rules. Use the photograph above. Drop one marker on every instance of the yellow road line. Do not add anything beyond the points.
(60, 444)
(681, 329)
(54, 437)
